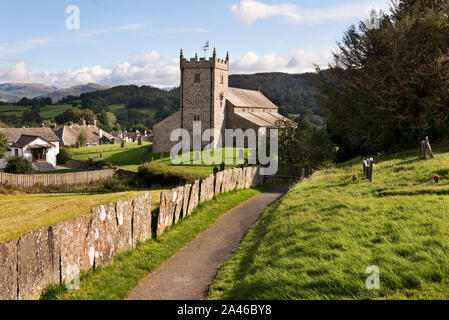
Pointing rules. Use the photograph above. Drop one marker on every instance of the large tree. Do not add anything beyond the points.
(389, 86)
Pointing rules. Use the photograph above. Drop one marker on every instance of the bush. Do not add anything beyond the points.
(153, 173)
(64, 155)
(19, 165)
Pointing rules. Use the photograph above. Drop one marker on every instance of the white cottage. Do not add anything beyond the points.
(39, 145)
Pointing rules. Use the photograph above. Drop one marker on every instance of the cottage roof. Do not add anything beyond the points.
(25, 140)
(13, 134)
(68, 135)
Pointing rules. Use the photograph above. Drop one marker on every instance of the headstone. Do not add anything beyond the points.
(177, 203)
(222, 166)
(185, 206)
(124, 211)
(8, 271)
(38, 254)
(197, 156)
(241, 179)
(165, 218)
(140, 141)
(77, 144)
(248, 177)
(429, 148)
(77, 246)
(194, 197)
(218, 183)
(241, 155)
(123, 144)
(142, 218)
(104, 225)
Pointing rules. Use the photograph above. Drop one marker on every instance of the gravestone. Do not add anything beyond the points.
(177, 203)
(140, 141)
(141, 218)
(8, 271)
(77, 246)
(124, 211)
(104, 225)
(38, 254)
(123, 144)
(194, 197)
(165, 219)
(185, 205)
(218, 183)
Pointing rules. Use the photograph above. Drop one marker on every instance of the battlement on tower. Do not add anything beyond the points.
(202, 63)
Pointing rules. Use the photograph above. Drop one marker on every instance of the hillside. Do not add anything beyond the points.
(317, 242)
(13, 92)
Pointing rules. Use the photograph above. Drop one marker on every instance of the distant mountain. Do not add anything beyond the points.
(13, 92)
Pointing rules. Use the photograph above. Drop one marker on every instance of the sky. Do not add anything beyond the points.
(139, 41)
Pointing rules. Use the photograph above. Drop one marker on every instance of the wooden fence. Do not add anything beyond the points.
(71, 178)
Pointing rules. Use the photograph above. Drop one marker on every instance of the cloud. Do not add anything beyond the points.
(296, 61)
(249, 11)
(141, 69)
(24, 45)
(151, 69)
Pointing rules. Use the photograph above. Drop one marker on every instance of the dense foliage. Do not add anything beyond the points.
(3, 145)
(389, 87)
(65, 154)
(154, 173)
(19, 165)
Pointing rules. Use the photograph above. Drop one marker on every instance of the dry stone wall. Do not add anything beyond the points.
(64, 250)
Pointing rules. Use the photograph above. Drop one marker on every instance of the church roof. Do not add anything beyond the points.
(249, 99)
(262, 119)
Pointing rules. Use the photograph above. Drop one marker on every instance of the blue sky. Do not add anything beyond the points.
(138, 41)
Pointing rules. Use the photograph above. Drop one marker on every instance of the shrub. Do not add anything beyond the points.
(161, 174)
(19, 165)
(64, 155)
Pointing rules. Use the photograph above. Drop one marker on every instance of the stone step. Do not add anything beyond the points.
(43, 166)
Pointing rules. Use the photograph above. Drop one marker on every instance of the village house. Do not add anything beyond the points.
(205, 96)
(38, 145)
(68, 135)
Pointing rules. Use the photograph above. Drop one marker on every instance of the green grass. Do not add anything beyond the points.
(317, 241)
(129, 157)
(115, 281)
(21, 213)
(47, 112)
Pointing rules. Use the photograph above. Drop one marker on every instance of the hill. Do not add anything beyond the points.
(318, 241)
(13, 92)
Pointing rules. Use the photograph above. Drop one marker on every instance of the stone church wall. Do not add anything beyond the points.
(58, 253)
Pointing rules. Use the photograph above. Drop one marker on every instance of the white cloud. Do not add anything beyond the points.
(147, 68)
(297, 61)
(24, 45)
(151, 69)
(249, 11)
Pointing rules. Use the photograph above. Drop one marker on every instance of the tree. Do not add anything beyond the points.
(107, 120)
(19, 165)
(72, 114)
(3, 145)
(82, 138)
(389, 87)
(64, 155)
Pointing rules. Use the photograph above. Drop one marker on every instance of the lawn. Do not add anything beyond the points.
(317, 241)
(115, 281)
(47, 112)
(129, 157)
(21, 213)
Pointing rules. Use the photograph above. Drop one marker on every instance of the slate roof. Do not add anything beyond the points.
(13, 134)
(68, 135)
(249, 99)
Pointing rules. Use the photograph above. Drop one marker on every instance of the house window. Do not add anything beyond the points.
(197, 77)
(16, 152)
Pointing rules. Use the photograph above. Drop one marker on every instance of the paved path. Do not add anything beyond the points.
(189, 273)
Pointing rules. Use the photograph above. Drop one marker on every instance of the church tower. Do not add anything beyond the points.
(204, 84)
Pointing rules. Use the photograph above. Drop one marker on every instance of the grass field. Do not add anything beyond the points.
(115, 281)
(317, 242)
(21, 213)
(47, 112)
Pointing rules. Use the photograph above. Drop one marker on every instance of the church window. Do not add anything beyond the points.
(197, 77)
(222, 79)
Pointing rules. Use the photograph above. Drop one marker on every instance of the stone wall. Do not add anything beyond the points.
(59, 253)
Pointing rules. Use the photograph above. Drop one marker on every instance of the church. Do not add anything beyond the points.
(205, 96)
